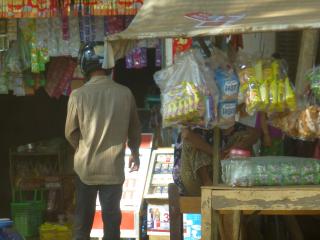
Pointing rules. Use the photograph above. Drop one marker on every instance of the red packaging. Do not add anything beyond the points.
(239, 153)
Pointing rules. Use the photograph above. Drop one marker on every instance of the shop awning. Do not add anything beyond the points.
(190, 18)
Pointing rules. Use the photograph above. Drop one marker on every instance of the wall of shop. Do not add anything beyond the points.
(24, 120)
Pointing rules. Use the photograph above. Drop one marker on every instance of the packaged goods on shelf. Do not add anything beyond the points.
(270, 171)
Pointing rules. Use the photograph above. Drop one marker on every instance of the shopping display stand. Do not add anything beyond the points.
(276, 200)
(156, 192)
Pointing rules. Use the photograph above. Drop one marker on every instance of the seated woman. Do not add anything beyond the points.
(193, 154)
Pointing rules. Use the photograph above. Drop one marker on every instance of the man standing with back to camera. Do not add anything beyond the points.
(101, 117)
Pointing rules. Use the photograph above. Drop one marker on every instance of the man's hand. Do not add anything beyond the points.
(134, 162)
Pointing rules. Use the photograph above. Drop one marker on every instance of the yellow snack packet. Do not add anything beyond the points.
(281, 96)
(290, 97)
(273, 95)
(264, 94)
(253, 99)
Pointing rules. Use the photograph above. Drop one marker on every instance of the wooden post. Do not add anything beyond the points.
(307, 57)
(176, 217)
(206, 214)
(216, 176)
(216, 156)
(236, 225)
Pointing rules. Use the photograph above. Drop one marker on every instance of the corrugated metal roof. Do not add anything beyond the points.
(189, 18)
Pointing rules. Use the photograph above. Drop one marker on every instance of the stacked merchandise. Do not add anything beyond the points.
(40, 190)
(187, 92)
(205, 92)
(53, 8)
(137, 57)
(198, 91)
(36, 42)
(228, 84)
(270, 171)
(304, 123)
(265, 86)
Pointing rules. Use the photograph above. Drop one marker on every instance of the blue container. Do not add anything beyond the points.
(6, 232)
(5, 223)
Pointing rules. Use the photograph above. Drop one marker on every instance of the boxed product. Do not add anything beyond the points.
(158, 219)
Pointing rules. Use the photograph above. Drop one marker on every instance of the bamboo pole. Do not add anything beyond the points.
(307, 57)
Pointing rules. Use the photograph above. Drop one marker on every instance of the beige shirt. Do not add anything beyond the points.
(101, 117)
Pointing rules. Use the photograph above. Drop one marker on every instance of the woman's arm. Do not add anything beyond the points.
(265, 130)
(204, 176)
(196, 141)
(250, 137)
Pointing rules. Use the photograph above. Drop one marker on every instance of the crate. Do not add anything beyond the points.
(28, 213)
(51, 231)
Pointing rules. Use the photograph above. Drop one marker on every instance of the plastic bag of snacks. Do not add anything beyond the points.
(228, 85)
(270, 171)
(303, 124)
(188, 92)
(265, 86)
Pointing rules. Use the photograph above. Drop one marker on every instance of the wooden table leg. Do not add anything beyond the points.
(206, 214)
(294, 228)
(176, 217)
(215, 224)
(221, 227)
(236, 225)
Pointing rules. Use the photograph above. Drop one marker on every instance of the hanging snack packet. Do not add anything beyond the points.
(265, 85)
(226, 112)
(261, 84)
(253, 98)
(274, 87)
(187, 93)
(228, 84)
